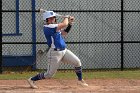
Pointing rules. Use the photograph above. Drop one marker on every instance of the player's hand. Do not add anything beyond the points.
(71, 20)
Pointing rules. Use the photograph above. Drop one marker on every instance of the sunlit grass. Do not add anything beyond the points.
(72, 75)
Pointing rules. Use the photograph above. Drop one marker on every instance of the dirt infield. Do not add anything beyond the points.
(70, 86)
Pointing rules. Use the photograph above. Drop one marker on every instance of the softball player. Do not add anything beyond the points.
(58, 52)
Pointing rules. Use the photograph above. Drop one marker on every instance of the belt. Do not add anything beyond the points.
(57, 49)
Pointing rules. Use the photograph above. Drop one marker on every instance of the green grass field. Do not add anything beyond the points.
(135, 74)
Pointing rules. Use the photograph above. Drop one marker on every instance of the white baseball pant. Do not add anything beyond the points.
(54, 59)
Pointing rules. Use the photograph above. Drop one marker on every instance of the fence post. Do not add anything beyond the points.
(34, 33)
(1, 35)
(122, 38)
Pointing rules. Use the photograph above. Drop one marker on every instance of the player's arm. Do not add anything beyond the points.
(68, 28)
(66, 31)
(63, 24)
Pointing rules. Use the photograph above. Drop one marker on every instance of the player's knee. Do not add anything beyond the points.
(78, 64)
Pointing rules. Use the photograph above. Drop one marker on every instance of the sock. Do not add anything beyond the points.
(78, 71)
(38, 77)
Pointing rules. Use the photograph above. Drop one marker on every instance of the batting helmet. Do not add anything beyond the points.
(48, 14)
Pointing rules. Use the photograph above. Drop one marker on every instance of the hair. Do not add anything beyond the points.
(46, 21)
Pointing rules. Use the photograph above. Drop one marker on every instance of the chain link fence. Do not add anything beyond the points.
(105, 35)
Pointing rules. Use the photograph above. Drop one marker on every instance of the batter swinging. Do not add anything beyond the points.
(58, 52)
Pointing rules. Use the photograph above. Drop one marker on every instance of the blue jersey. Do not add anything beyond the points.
(54, 39)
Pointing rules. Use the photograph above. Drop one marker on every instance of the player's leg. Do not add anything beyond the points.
(51, 70)
(72, 59)
(54, 59)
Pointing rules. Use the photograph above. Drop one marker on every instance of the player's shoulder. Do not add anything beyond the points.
(51, 25)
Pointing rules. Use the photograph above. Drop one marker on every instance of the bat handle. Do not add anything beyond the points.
(42, 10)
